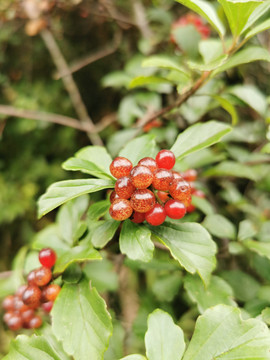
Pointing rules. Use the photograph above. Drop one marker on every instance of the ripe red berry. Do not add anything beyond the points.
(187, 201)
(141, 177)
(137, 217)
(177, 175)
(21, 290)
(175, 209)
(50, 292)
(43, 276)
(163, 196)
(113, 196)
(47, 257)
(162, 179)
(124, 187)
(8, 303)
(32, 296)
(120, 209)
(27, 316)
(179, 189)
(165, 159)
(19, 305)
(31, 278)
(190, 175)
(149, 162)
(15, 322)
(7, 316)
(142, 200)
(47, 306)
(120, 167)
(35, 322)
(156, 216)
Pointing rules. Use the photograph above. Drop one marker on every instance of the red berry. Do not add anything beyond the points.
(120, 167)
(149, 162)
(50, 292)
(31, 278)
(137, 217)
(156, 216)
(162, 179)
(120, 209)
(124, 187)
(165, 159)
(27, 316)
(180, 189)
(15, 322)
(187, 201)
(47, 306)
(175, 209)
(47, 257)
(8, 303)
(19, 305)
(190, 175)
(163, 196)
(21, 290)
(177, 175)
(141, 177)
(32, 296)
(43, 276)
(113, 196)
(152, 124)
(142, 200)
(7, 316)
(35, 322)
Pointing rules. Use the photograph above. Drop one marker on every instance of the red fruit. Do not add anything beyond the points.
(35, 322)
(177, 175)
(165, 159)
(27, 316)
(120, 209)
(120, 167)
(142, 200)
(137, 217)
(8, 303)
(19, 305)
(162, 179)
(187, 201)
(124, 187)
(15, 322)
(21, 290)
(149, 162)
(7, 316)
(43, 276)
(179, 189)
(175, 209)
(50, 292)
(47, 306)
(163, 196)
(32, 296)
(113, 196)
(156, 216)
(141, 177)
(31, 278)
(152, 124)
(47, 257)
(190, 175)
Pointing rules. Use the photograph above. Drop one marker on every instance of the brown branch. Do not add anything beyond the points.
(141, 20)
(42, 116)
(70, 85)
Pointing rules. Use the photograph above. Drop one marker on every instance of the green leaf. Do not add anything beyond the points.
(218, 292)
(266, 315)
(104, 232)
(79, 253)
(148, 80)
(248, 55)
(220, 333)
(265, 25)
(219, 226)
(227, 105)
(191, 245)
(134, 357)
(246, 230)
(135, 241)
(261, 248)
(81, 322)
(256, 14)
(206, 10)
(210, 49)
(163, 340)
(203, 205)
(116, 79)
(85, 166)
(238, 12)
(199, 136)
(163, 61)
(232, 168)
(50, 236)
(98, 209)
(102, 275)
(33, 348)
(166, 287)
(62, 191)
(139, 148)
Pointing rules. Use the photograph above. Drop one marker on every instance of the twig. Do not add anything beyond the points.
(106, 121)
(70, 85)
(160, 246)
(141, 20)
(42, 116)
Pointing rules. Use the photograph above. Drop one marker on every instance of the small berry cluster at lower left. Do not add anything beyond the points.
(22, 309)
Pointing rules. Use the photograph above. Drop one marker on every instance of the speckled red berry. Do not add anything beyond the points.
(124, 187)
(47, 306)
(142, 200)
(8, 303)
(177, 175)
(43, 276)
(21, 290)
(27, 316)
(47, 257)
(113, 196)
(190, 175)
(19, 305)
(15, 322)
(165, 159)
(149, 162)
(162, 179)
(163, 196)
(35, 322)
(175, 209)
(156, 216)
(7, 316)
(137, 217)
(120, 209)
(50, 292)
(31, 278)
(120, 167)
(179, 189)
(141, 177)
(32, 296)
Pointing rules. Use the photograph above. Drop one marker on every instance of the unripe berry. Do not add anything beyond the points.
(149, 162)
(8, 303)
(47, 306)
(163, 196)
(142, 200)
(43, 276)
(141, 177)
(165, 159)
(180, 189)
(175, 209)
(32, 296)
(124, 187)
(113, 196)
(47, 257)
(50, 292)
(120, 167)
(120, 209)
(190, 175)
(15, 322)
(156, 216)
(162, 179)
(137, 217)
(35, 322)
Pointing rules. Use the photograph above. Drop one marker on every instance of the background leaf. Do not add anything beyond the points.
(219, 226)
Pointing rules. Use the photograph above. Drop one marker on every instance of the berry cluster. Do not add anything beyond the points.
(151, 190)
(21, 309)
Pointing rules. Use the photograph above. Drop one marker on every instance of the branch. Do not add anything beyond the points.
(70, 85)
(141, 20)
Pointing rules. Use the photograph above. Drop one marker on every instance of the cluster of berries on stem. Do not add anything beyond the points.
(22, 309)
(151, 190)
